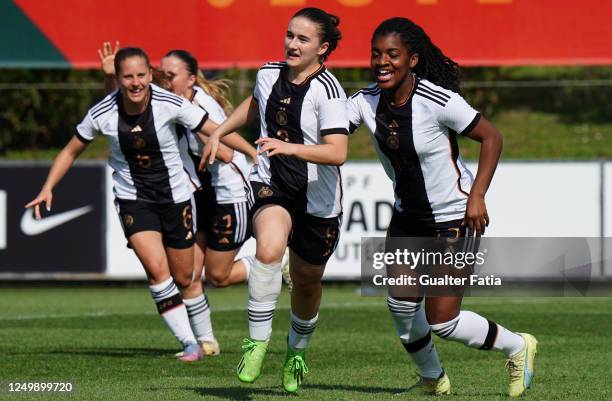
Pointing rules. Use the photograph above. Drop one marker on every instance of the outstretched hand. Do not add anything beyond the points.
(107, 57)
(45, 196)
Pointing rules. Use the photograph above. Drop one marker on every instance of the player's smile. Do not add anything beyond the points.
(389, 61)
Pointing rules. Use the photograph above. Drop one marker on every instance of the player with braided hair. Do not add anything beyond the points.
(414, 113)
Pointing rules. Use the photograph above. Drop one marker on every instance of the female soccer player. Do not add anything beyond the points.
(179, 73)
(222, 209)
(413, 113)
(296, 183)
(151, 187)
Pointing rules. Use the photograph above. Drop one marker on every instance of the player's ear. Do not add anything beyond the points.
(323, 48)
(413, 60)
(192, 80)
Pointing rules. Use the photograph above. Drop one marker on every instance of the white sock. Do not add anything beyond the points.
(475, 331)
(300, 331)
(264, 288)
(415, 334)
(248, 262)
(171, 308)
(198, 311)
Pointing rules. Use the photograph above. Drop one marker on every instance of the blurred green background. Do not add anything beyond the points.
(545, 113)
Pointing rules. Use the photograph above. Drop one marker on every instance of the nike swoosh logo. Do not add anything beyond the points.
(31, 226)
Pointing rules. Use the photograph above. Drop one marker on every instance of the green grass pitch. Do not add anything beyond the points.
(111, 344)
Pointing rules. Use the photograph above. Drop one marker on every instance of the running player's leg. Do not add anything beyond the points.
(222, 270)
(149, 248)
(313, 241)
(407, 311)
(449, 322)
(142, 225)
(178, 238)
(272, 226)
(196, 301)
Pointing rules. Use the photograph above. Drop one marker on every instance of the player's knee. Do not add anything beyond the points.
(269, 254)
(182, 281)
(218, 278)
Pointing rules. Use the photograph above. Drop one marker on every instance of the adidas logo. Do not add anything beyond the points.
(286, 100)
(224, 241)
(136, 129)
(393, 124)
(189, 236)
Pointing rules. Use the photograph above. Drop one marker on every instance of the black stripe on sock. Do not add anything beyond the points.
(168, 304)
(303, 330)
(491, 336)
(191, 311)
(446, 331)
(418, 344)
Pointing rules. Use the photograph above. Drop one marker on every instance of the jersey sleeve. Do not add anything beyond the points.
(458, 115)
(214, 109)
(191, 116)
(354, 113)
(332, 111)
(88, 129)
(257, 87)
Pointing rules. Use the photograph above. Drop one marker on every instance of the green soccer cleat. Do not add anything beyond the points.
(294, 370)
(424, 385)
(249, 367)
(520, 367)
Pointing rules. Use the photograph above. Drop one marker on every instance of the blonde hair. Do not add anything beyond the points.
(218, 89)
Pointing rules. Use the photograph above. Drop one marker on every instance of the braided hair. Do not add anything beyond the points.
(433, 65)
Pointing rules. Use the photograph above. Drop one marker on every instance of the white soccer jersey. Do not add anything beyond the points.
(144, 150)
(227, 179)
(301, 114)
(417, 145)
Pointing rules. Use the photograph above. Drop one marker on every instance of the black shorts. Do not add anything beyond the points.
(173, 221)
(402, 226)
(312, 238)
(431, 237)
(226, 226)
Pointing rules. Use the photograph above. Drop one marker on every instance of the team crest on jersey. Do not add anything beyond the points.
(128, 220)
(281, 117)
(136, 129)
(283, 135)
(138, 143)
(265, 192)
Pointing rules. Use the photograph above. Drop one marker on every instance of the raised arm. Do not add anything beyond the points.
(60, 166)
(107, 62)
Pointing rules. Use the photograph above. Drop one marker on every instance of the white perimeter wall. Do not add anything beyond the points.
(526, 199)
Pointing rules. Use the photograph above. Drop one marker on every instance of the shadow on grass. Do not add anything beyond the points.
(116, 352)
(246, 392)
